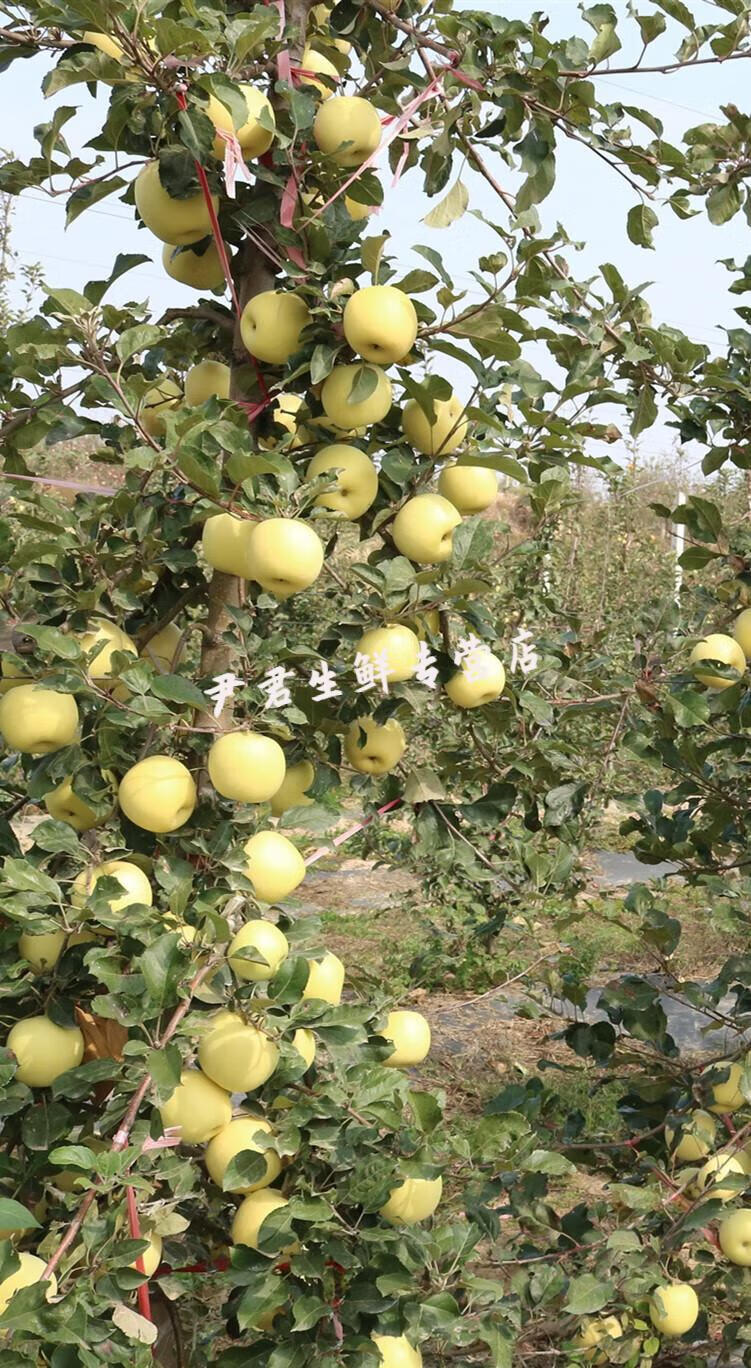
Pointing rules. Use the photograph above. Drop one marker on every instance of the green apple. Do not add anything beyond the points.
(156, 402)
(226, 544)
(198, 270)
(742, 631)
(66, 806)
(152, 1255)
(251, 1214)
(36, 721)
(137, 889)
(104, 638)
(479, 680)
(325, 980)
(285, 556)
(380, 323)
(717, 646)
(314, 61)
(396, 1351)
(595, 1329)
(269, 942)
(710, 1177)
(348, 414)
(41, 951)
(356, 479)
(305, 1043)
(372, 747)
(253, 136)
(236, 1138)
(274, 866)
(697, 1136)
(198, 1108)
(735, 1237)
(423, 529)
(235, 1055)
(347, 128)
(30, 1271)
(44, 1050)
(271, 325)
(396, 645)
(246, 766)
(292, 792)
(441, 437)
(158, 794)
(726, 1094)
(469, 488)
(206, 380)
(413, 1200)
(410, 1033)
(165, 649)
(177, 221)
(673, 1309)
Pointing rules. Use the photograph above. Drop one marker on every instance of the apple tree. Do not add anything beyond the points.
(284, 609)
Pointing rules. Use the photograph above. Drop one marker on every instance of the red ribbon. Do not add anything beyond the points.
(144, 1301)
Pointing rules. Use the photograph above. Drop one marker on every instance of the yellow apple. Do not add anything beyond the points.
(165, 649)
(44, 1050)
(410, 1033)
(423, 529)
(292, 792)
(42, 951)
(35, 720)
(156, 402)
(742, 632)
(11, 676)
(152, 1255)
(480, 679)
(396, 1351)
(315, 61)
(413, 1200)
(237, 1056)
(251, 1214)
(698, 1133)
(325, 980)
(347, 414)
(710, 1177)
(727, 1095)
(394, 644)
(673, 1308)
(254, 138)
(234, 1139)
(198, 1108)
(275, 867)
(198, 270)
(441, 437)
(305, 1043)
(372, 747)
(272, 323)
(347, 129)
(359, 211)
(137, 889)
(30, 1271)
(735, 1237)
(593, 1331)
(206, 380)
(265, 938)
(158, 794)
(380, 323)
(717, 646)
(283, 414)
(285, 556)
(356, 483)
(468, 488)
(246, 766)
(226, 543)
(104, 638)
(179, 222)
(65, 806)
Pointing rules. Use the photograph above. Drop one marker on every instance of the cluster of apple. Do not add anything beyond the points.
(734, 651)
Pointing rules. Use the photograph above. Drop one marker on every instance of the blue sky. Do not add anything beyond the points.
(689, 289)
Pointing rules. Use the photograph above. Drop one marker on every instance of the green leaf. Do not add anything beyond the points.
(26, 878)
(723, 202)
(138, 339)
(13, 1216)
(69, 301)
(548, 1162)
(451, 207)
(422, 786)
(165, 1066)
(85, 195)
(245, 1169)
(645, 410)
(371, 251)
(587, 1294)
(640, 221)
(364, 383)
(161, 966)
(177, 689)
